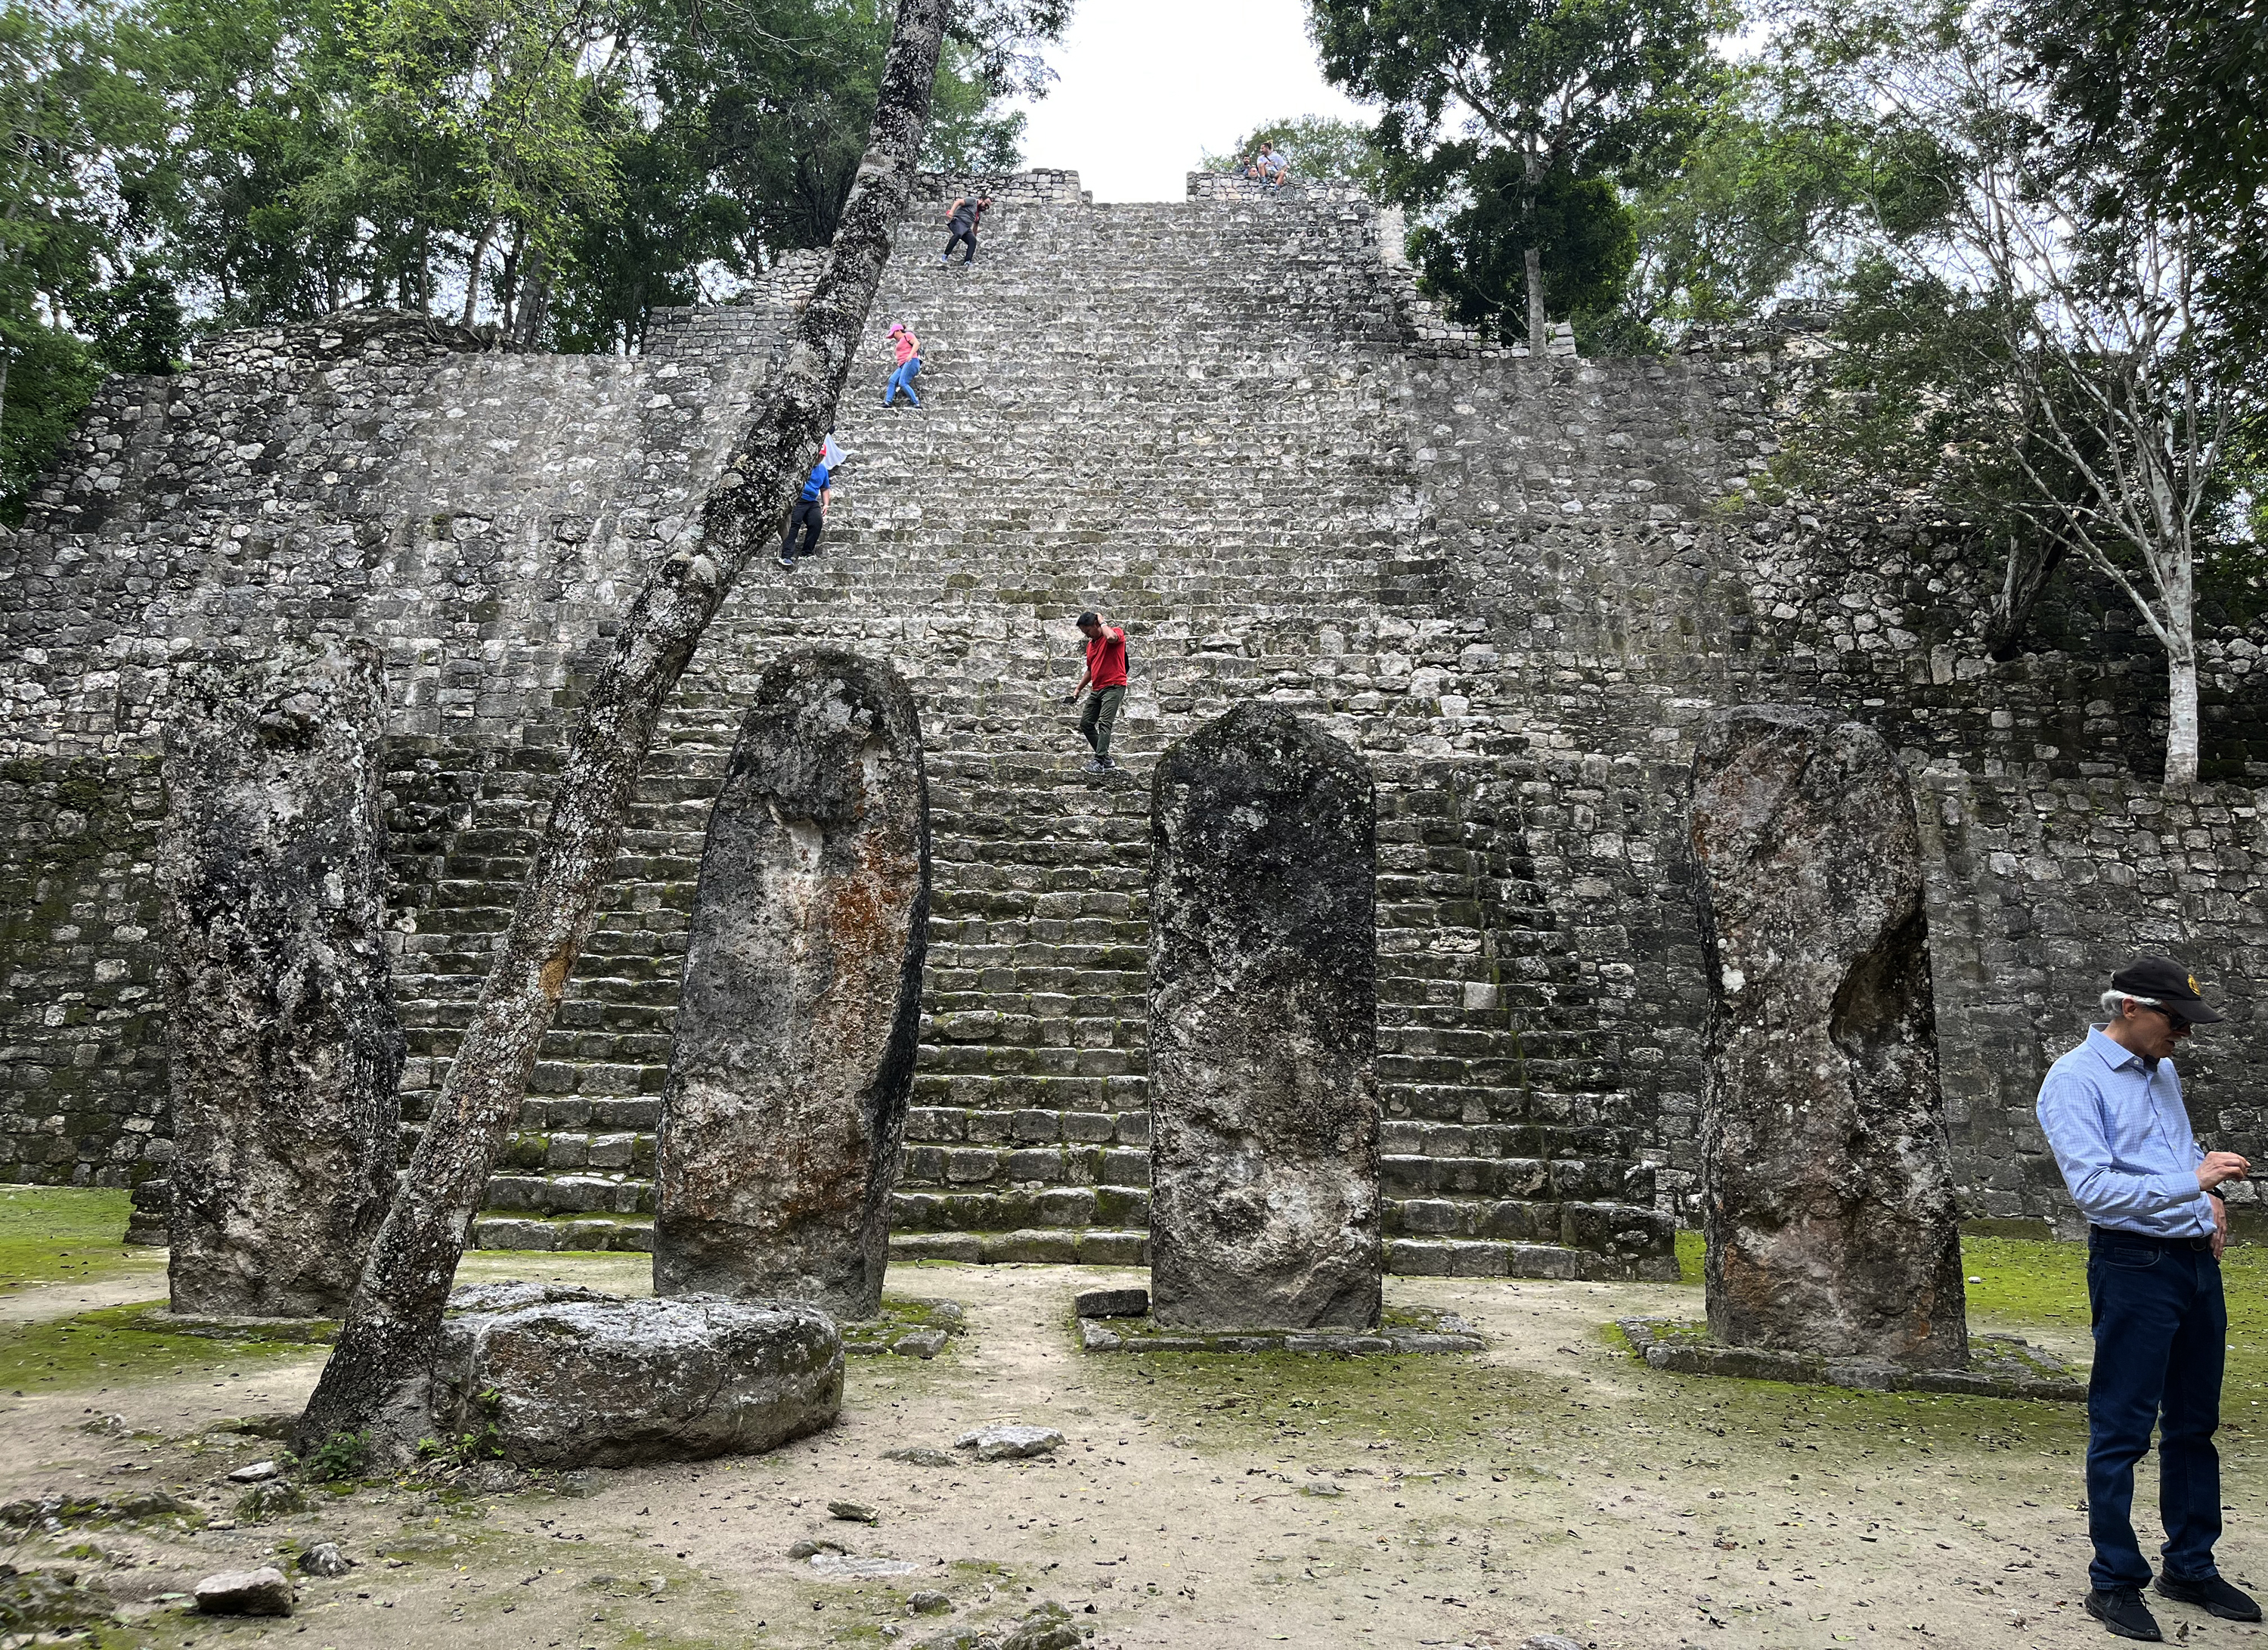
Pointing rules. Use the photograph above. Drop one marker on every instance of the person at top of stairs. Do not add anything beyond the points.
(1269, 167)
(1106, 677)
(909, 353)
(810, 512)
(962, 218)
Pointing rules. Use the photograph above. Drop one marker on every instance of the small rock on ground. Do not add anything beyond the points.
(861, 1569)
(324, 1558)
(853, 1512)
(266, 1591)
(1009, 1443)
(928, 1603)
(257, 1472)
(807, 1547)
(1549, 1641)
(919, 1456)
(919, 1344)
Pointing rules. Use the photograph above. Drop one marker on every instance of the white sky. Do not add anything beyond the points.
(1144, 84)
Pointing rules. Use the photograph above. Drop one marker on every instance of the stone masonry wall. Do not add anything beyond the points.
(1515, 585)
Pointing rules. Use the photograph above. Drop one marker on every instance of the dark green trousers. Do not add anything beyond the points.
(1101, 711)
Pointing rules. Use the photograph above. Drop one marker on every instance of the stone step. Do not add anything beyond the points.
(1425, 1257)
(1070, 1167)
(1405, 1256)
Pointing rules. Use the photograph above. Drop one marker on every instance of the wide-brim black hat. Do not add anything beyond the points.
(2166, 981)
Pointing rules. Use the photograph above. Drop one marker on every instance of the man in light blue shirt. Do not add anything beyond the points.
(2112, 1111)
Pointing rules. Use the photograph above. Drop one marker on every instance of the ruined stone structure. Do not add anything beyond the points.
(1513, 586)
(1827, 1184)
(1264, 1029)
(786, 1104)
(283, 1039)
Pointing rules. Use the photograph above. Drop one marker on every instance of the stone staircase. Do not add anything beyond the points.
(1187, 416)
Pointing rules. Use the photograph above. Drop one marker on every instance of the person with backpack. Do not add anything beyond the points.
(961, 219)
(1104, 680)
(909, 356)
(810, 512)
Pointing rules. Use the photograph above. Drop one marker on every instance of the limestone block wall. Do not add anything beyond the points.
(1515, 586)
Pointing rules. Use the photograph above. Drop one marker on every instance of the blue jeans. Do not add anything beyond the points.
(903, 379)
(2160, 1333)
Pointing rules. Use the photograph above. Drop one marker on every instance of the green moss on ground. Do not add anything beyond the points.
(1689, 1248)
(65, 1235)
(2033, 1288)
(112, 1345)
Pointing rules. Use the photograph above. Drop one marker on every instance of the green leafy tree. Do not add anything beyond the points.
(82, 290)
(1502, 115)
(2041, 345)
(1773, 199)
(2166, 96)
(521, 94)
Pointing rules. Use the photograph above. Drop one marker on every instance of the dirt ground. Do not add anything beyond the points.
(1548, 1484)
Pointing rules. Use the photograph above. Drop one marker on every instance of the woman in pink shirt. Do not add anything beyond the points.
(908, 352)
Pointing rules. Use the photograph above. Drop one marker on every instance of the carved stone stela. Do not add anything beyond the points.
(785, 1103)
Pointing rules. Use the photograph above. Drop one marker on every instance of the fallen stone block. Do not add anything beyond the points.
(565, 1377)
(266, 1591)
(1113, 1303)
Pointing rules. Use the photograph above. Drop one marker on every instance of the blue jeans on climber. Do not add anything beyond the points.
(903, 379)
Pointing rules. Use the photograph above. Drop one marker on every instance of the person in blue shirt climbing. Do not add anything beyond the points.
(2112, 1111)
(810, 512)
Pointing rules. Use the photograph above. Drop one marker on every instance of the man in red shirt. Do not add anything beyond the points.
(1106, 675)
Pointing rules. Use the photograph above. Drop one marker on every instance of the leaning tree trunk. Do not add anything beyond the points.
(376, 1376)
(2024, 577)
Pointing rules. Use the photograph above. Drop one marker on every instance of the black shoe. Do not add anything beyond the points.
(2212, 1595)
(2125, 1614)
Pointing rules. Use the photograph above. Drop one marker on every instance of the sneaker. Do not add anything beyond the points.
(2123, 1612)
(1095, 764)
(788, 562)
(2212, 1594)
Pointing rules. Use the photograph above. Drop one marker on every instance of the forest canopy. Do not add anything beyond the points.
(552, 168)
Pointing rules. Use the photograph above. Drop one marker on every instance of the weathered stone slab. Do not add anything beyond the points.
(569, 1377)
(1263, 1030)
(1827, 1185)
(266, 1591)
(1413, 1331)
(2001, 1365)
(1009, 1443)
(1112, 1303)
(280, 1022)
(787, 1099)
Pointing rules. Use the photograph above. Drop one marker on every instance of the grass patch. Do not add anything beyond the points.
(64, 1234)
(1690, 1248)
(112, 1345)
